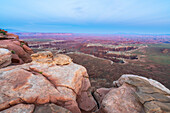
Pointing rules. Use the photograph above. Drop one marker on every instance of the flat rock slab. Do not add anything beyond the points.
(20, 108)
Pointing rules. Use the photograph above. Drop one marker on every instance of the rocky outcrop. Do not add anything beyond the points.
(135, 94)
(5, 35)
(43, 82)
(165, 51)
(20, 51)
(5, 57)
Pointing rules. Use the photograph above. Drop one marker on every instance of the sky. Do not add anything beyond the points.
(86, 16)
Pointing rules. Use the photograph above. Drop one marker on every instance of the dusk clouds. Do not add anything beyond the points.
(98, 16)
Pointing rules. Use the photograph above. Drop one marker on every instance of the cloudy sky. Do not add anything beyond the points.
(86, 16)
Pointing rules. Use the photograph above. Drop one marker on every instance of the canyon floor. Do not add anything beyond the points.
(115, 75)
(145, 56)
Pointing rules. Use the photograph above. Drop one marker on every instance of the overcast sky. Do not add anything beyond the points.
(86, 16)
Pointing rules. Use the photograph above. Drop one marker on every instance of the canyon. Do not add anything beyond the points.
(63, 76)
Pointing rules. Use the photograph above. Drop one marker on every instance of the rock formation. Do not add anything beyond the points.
(19, 49)
(40, 84)
(5, 57)
(135, 94)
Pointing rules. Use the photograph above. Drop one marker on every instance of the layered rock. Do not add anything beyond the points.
(135, 94)
(42, 82)
(5, 57)
(20, 51)
(5, 35)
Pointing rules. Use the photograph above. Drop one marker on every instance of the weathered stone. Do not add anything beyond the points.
(42, 83)
(99, 94)
(20, 108)
(61, 59)
(5, 57)
(50, 108)
(153, 95)
(121, 100)
(17, 49)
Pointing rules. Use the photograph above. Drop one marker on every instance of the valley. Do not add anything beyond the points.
(107, 57)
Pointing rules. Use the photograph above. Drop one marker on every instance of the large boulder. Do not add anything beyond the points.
(5, 57)
(134, 94)
(120, 100)
(41, 83)
(20, 52)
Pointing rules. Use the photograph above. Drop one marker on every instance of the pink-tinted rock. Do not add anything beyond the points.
(27, 49)
(17, 43)
(50, 108)
(154, 96)
(10, 35)
(42, 83)
(5, 57)
(20, 108)
(121, 100)
(100, 93)
(16, 60)
(17, 49)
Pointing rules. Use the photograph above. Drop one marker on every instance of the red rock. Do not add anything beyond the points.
(5, 57)
(20, 108)
(10, 35)
(50, 108)
(21, 54)
(100, 93)
(42, 83)
(121, 100)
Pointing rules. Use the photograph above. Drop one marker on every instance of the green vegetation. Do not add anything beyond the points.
(163, 45)
(160, 59)
(12, 51)
(3, 32)
(40, 72)
(22, 44)
(155, 54)
(137, 52)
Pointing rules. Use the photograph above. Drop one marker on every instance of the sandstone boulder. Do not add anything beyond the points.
(5, 57)
(121, 100)
(41, 83)
(134, 94)
(61, 59)
(19, 52)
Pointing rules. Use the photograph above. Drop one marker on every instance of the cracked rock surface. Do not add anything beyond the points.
(135, 94)
(5, 57)
(46, 84)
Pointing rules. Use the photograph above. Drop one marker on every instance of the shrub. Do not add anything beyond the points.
(13, 52)
(22, 44)
(3, 32)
